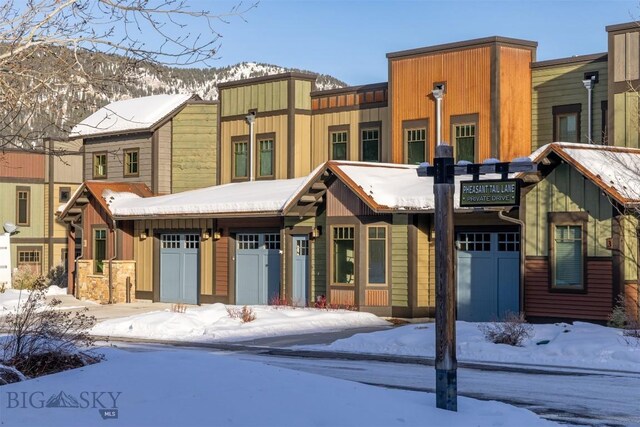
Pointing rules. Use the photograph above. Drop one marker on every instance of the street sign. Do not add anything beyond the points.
(490, 193)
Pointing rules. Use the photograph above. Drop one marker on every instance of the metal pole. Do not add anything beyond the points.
(250, 152)
(446, 364)
(588, 84)
(439, 119)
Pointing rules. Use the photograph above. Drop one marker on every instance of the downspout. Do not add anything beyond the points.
(251, 118)
(113, 256)
(75, 261)
(588, 84)
(502, 216)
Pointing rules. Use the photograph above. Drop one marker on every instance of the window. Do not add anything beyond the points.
(100, 165)
(377, 255)
(192, 241)
(416, 142)
(272, 241)
(240, 166)
(99, 249)
(29, 259)
(64, 194)
(265, 159)
(131, 162)
(170, 241)
(465, 142)
(23, 206)
(339, 145)
(343, 255)
(567, 257)
(248, 241)
(370, 144)
(566, 123)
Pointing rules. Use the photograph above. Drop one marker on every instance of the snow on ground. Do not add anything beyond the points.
(212, 323)
(582, 345)
(11, 298)
(195, 388)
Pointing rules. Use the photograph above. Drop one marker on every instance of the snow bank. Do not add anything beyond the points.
(195, 388)
(582, 345)
(212, 323)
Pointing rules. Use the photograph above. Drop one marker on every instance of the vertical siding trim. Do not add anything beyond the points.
(154, 161)
(291, 123)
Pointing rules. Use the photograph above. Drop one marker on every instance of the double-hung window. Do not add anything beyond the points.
(339, 144)
(465, 142)
(99, 249)
(566, 123)
(370, 140)
(240, 160)
(99, 165)
(416, 145)
(265, 157)
(568, 257)
(377, 255)
(343, 260)
(131, 162)
(23, 206)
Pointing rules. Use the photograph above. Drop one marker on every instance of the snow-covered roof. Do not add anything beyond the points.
(240, 197)
(616, 170)
(129, 115)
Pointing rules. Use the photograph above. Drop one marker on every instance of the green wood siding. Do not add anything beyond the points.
(271, 96)
(562, 85)
(303, 94)
(318, 261)
(566, 190)
(194, 149)
(630, 247)
(37, 213)
(399, 261)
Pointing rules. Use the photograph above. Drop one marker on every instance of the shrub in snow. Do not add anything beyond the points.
(278, 301)
(57, 276)
(9, 375)
(623, 317)
(43, 339)
(513, 330)
(26, 278)
(245, 313)
(321, 301)
(178, 308)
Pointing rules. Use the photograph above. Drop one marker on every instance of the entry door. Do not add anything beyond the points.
(300, 270)
(257, 267)
(179, 268)
(488, 275)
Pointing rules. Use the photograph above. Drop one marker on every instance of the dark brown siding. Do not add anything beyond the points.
(342, 202)
(594, 304)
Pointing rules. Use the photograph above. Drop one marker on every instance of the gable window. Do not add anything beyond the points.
(265, 157)
(339, 143)
(131, 162)
(100, 165)
(23, 206)
(240, 166)
(64, 194)
(343, 260)
(377, 255)
(99, 249)
(566, 123)
(465, 142)
(370, 142)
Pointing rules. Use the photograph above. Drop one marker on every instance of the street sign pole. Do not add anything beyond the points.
(446, 363)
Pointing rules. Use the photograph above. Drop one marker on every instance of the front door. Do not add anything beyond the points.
(179, 268)
(257, 267)
(487, 275)
(300, 271)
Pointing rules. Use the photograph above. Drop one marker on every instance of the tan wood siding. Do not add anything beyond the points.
(595, 304)
(515, 102)
(276, 124)
(467, 74)
(222, 267)
(426, 265)
(321, 121)
(399, 261)
(164, 158)
(302, 141)
(562, 85)
(269, 96)
(143, 255)
(115, 159)
(566, 190)
(194, 148)
(630, 247)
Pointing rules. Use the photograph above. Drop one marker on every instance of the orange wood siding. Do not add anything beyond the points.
(468, 77)
(377, 297)
(127, 240)
(342, 297)
(222, 267)
(515, 103)
(594, 304)
(22, 165)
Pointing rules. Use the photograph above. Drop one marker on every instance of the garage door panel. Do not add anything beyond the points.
(257, 267)
(508, 286)
(248, 275)
(190, 278)
(179, 268)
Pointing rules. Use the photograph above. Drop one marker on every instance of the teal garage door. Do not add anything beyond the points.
(257, 267)
(487, 275)
(179, 268)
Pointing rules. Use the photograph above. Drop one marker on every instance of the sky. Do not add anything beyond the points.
(349, 38)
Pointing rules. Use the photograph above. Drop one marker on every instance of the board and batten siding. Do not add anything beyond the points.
(194, 148)
(625, 122)
(302, 141)
(399, 261)
(321, 121)
(114, 148)
(426, 264)
(268, 96)
(303, 94)
(566, 190)
(277, 124)
(561, 84)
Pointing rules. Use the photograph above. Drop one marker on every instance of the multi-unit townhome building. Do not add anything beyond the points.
(279, 191)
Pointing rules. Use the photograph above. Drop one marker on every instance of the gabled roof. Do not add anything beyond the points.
(130, 115)
(615, 170)
(103, 192)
